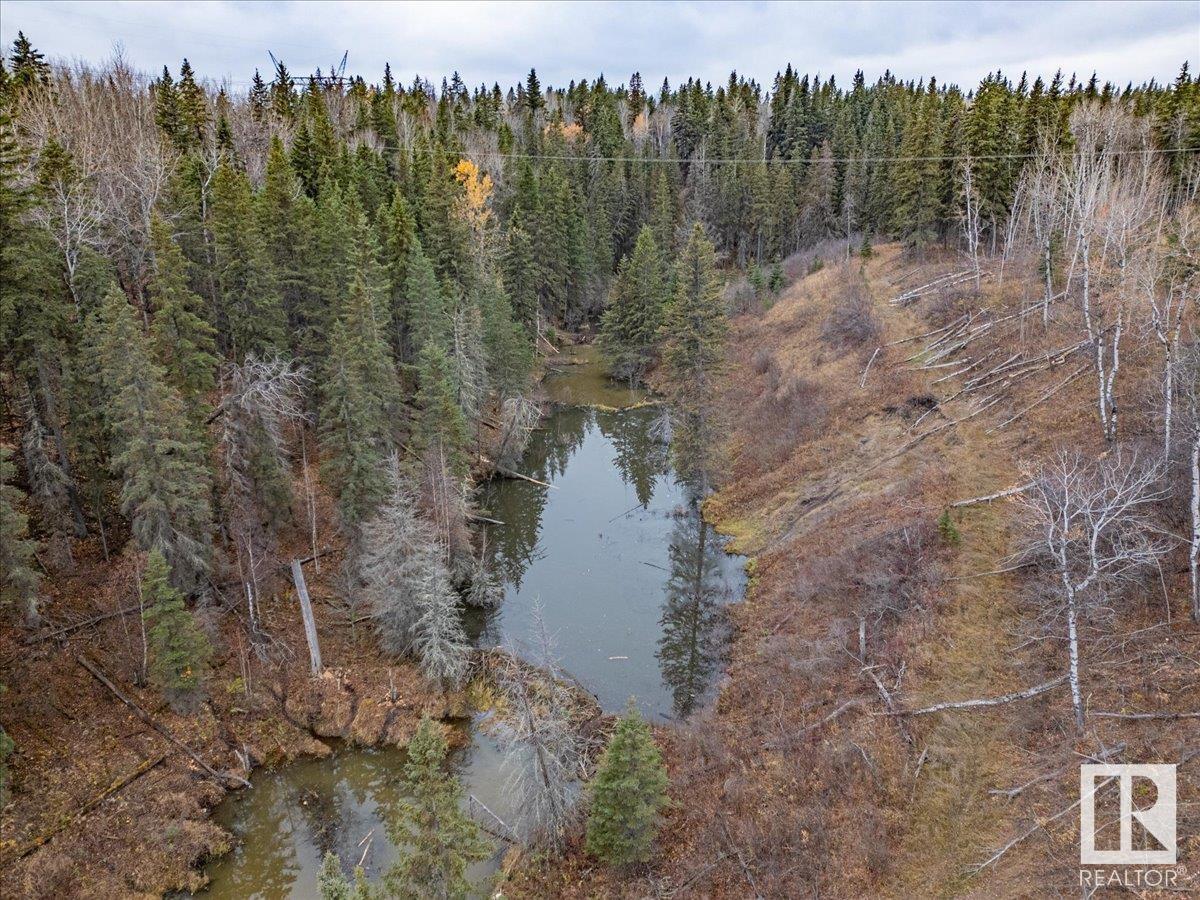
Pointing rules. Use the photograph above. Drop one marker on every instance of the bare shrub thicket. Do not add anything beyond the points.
(119, 166)
(851, 323)
(1112, 200)
(790, 408)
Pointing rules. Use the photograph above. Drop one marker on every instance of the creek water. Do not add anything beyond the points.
(631, 584)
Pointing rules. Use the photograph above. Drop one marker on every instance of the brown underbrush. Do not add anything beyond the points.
(872, 596)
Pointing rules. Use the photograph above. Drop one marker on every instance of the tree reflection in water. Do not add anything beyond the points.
(632, 583)
(694, 622)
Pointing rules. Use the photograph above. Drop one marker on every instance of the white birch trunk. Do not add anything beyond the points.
(1073, 649)
(1194, 550)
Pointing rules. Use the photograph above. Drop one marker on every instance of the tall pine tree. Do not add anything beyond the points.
(164, 479)
(630, 326)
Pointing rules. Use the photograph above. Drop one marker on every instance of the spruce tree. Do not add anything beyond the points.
(28, 65)
(693, 330)
(183, 338)
(166, 107)
(359, 387)
(286, 222)
(332, 885)
(630, 326)
(918, 209)
(521, 278)
(193, 109)
(627, 795)
(398, 235)
(18, 581)
(438, 840)
(426, 315)
(164, 488)
(252, 318)
(440, 429)
(178, 650)
(510, 351)
(259, 97)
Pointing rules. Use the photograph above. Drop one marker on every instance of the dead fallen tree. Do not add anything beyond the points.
(1148, 715)
(988, 498)
(69, 818)
(1026, 694)
(933, 287)
(94, 620)
(96, 673)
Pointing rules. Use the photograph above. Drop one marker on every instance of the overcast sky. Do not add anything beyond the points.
(956, 41)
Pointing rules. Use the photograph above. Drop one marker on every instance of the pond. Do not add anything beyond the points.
(631, 586)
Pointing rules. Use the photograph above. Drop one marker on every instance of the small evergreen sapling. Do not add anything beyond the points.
(438, 840)
(333, 885)
(627, 794)
(179, 650)
(947, 529)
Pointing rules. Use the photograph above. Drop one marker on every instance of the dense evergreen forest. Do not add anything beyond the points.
(213, 297)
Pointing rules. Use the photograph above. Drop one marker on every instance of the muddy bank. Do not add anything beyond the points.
(118, 809)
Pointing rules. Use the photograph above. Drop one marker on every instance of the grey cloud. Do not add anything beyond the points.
(485, 42)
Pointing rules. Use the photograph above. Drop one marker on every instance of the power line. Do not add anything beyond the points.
(832, 159)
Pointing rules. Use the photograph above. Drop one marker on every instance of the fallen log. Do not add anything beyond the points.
(65, 822)
(984, 701)
(306, 612)
(67, 629)
(508, 473)
(1147, 715)
(149, 720)
(1046, 396)
(942, 282)
(788, 741)
(863, 381)
(1036, 827)
(988, 498)
(476, 517)
(505, 832)
(1017, 568)
(916, 337)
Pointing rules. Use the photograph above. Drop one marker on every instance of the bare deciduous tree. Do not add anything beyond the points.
(1037, 218)
(1189, 359)
(120, 165)
(969, 218)
(1168, 280)
(1111, 196)
(261, 398)
(1088, 521)
(542, 749)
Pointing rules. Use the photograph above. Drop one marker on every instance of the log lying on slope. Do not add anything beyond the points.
(69, 818)
(149, 720)
(985, 701)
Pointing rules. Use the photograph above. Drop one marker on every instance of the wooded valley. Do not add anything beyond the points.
(925, 354)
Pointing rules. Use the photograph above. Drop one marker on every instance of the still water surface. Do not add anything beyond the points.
(632, 585)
